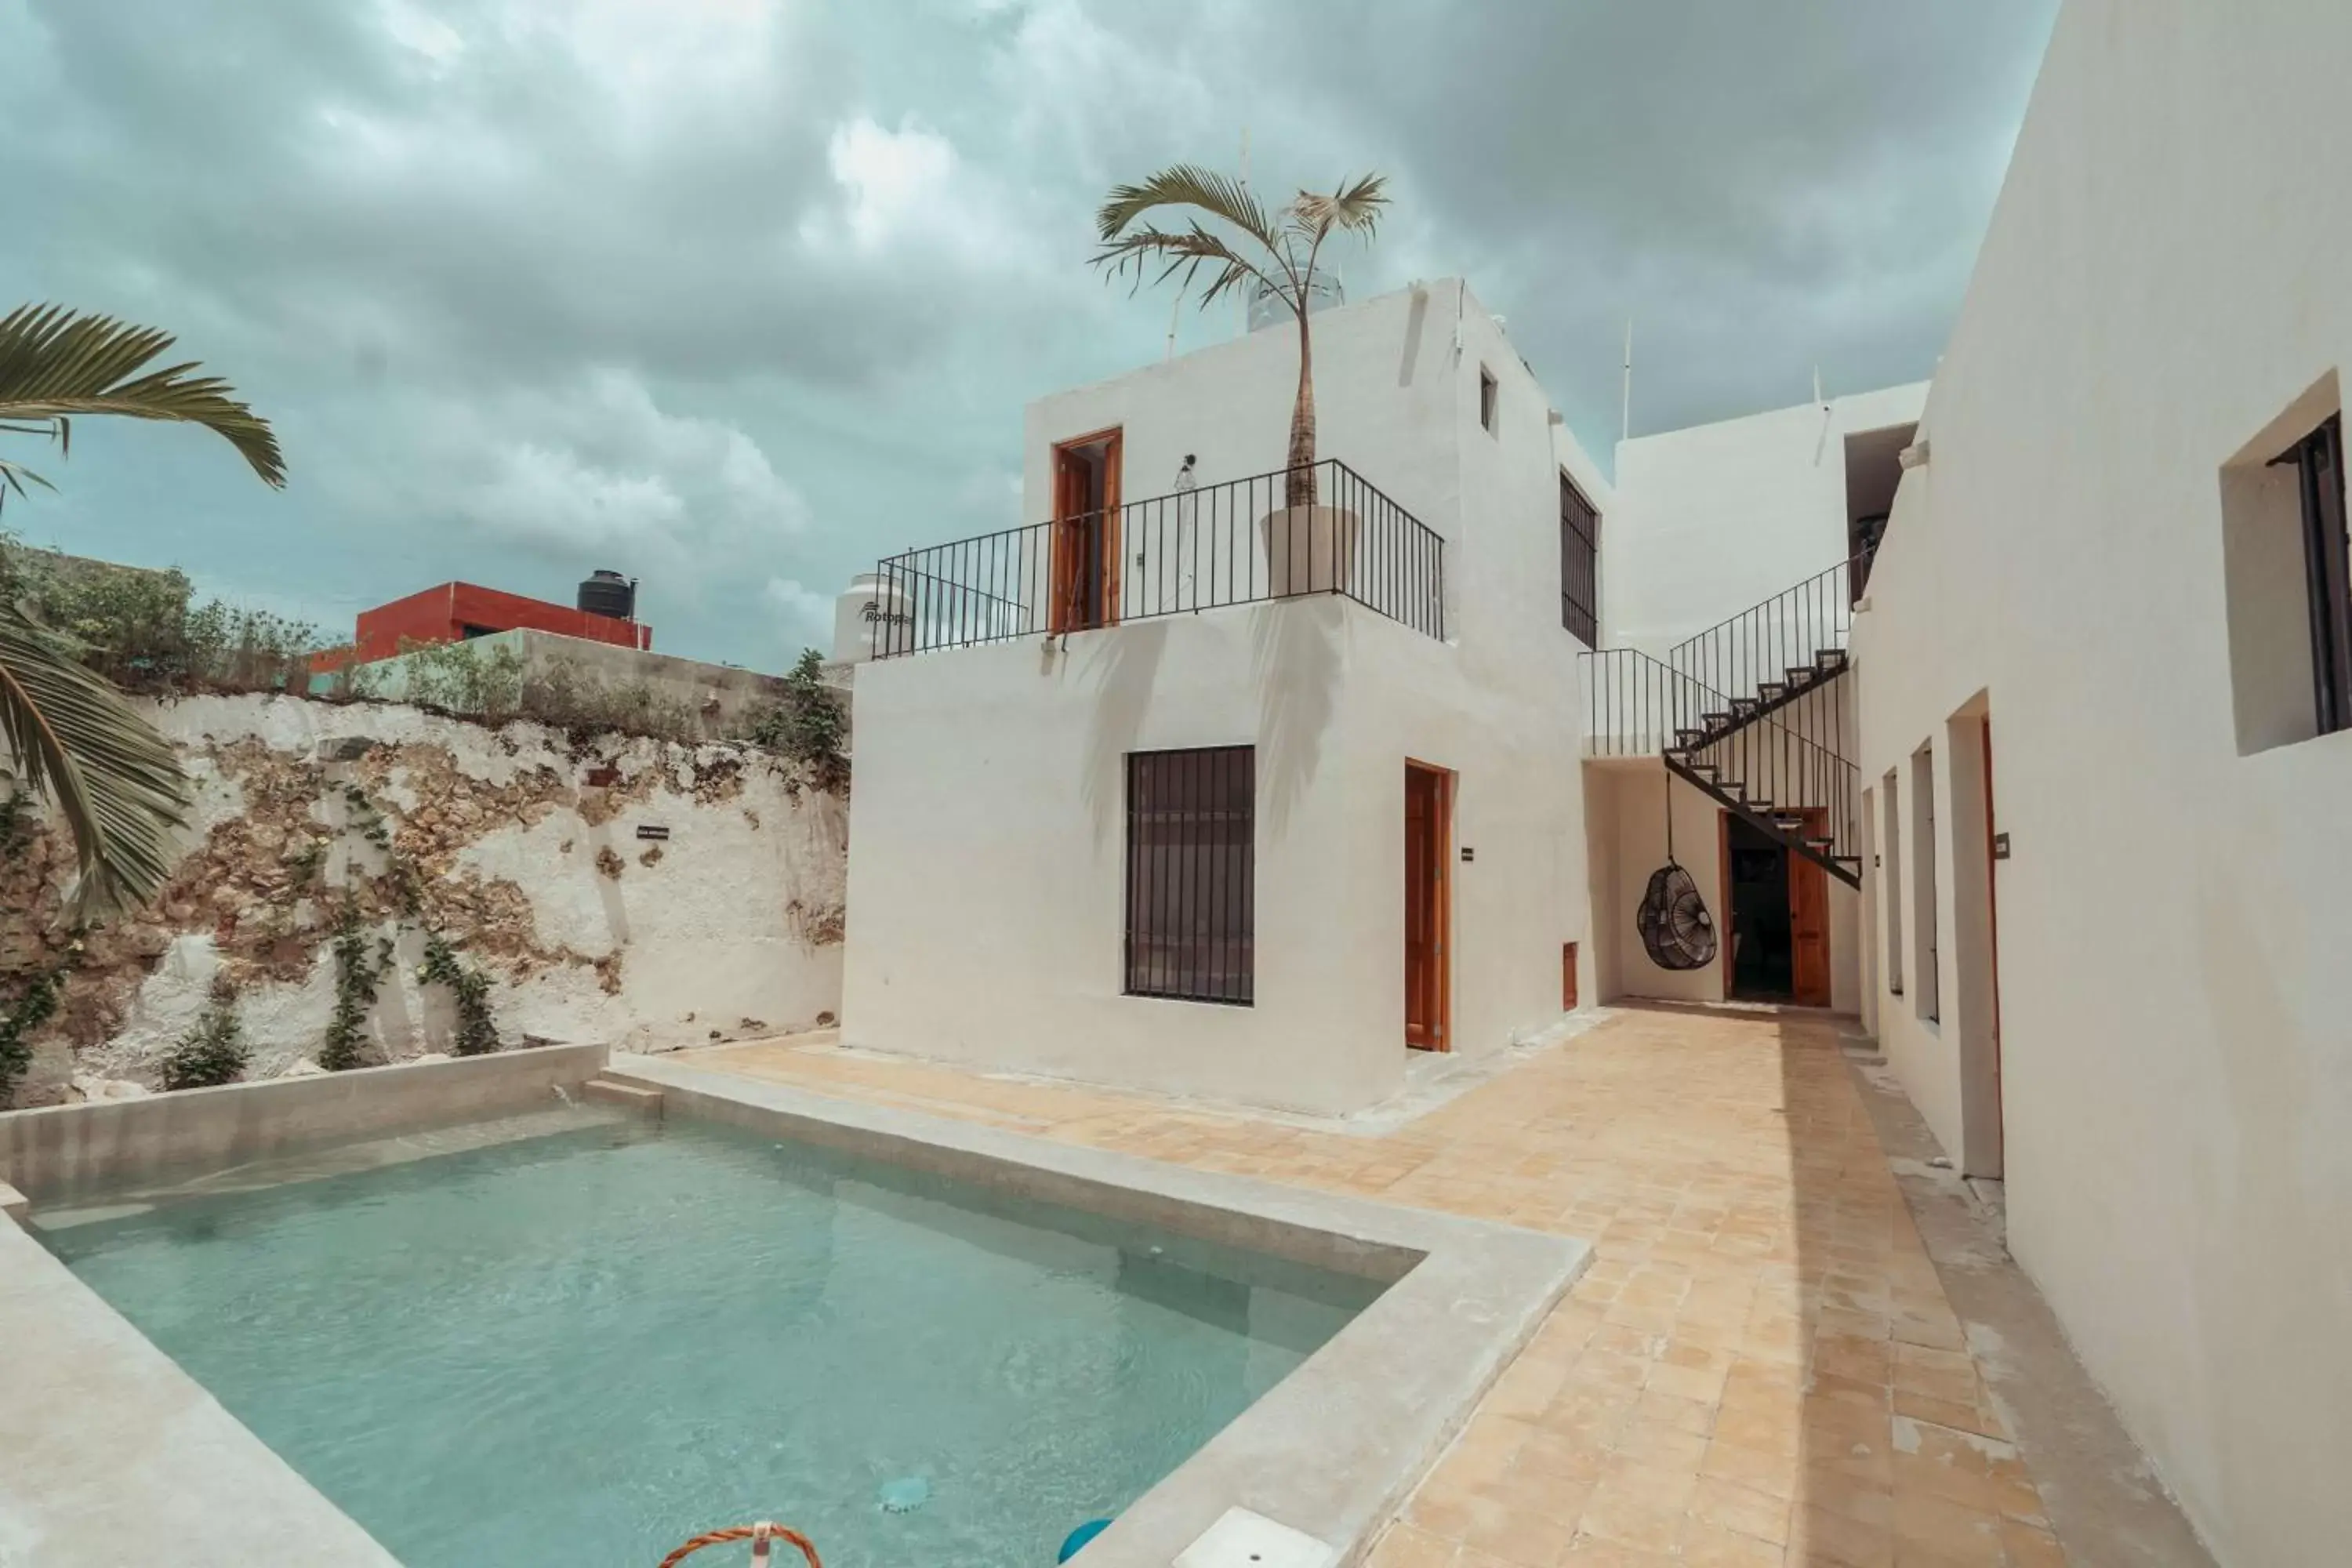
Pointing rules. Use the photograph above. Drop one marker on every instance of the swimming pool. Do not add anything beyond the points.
(584, 1346)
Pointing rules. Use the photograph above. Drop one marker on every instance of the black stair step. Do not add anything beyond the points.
(1801, 674)
(1715, 721)
(1690, 738)
(1772, 691)
(1744, 707)
(1830, 660)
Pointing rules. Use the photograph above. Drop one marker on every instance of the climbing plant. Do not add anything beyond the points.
(33, 1007)
(213, 1051)
(359, 966)
(478, 1032)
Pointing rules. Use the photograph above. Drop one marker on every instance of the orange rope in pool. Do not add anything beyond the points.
(758, 1535)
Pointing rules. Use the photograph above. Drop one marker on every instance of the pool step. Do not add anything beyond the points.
(644, 1101)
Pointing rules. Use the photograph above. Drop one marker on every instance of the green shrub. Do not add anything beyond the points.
(810, 724)
(213, 1051)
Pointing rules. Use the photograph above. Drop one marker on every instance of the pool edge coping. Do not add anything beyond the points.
(1337, 1448)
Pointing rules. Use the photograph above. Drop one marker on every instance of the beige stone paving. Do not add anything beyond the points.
(1760, 1367)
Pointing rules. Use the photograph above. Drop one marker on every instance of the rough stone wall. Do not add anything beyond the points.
(519, 846)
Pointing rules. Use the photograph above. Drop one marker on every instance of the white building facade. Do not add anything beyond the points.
(1200, 786)
(2103, 679)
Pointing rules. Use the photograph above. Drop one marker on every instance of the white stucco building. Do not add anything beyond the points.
(1190, 787)
(2011, 716)
(2103, 687)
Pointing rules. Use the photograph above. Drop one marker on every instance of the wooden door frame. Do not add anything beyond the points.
(1815, 817)
(1063, 571)
(1440, 896)
(1726, 926)
(1993, 933)
(1726, 930)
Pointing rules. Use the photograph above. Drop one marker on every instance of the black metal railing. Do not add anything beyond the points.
(1786, 774)
(1231, 543)
(1772, 651)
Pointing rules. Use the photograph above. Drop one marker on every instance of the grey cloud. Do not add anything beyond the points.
(481, 256)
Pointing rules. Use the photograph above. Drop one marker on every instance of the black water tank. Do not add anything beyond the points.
(609, 594)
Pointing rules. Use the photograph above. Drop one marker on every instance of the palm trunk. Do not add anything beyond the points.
(1298, 487)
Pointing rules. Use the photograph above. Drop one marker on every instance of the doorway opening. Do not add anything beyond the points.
(1779, 909)
(1428, 907)
(1873, 470)
(1085, 542)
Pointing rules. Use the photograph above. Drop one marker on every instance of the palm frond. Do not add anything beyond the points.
(1187, 185)
(56, 364)
(13, 477)
(1356, 204)
(77, 743)
(1183, 251)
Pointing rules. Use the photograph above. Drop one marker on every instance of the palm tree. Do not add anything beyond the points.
(1285, 247)
(74, 740)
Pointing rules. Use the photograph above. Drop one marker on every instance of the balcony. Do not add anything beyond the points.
(1204, 548)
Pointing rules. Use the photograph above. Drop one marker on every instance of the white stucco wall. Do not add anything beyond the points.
(716, 931)
(986, 882)
(1712, 519)
(2162, 288)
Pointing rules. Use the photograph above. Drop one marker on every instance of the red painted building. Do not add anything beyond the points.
(454, 611)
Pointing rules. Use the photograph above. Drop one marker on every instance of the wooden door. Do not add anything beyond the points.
(1085, 533)
(1428, 843)
(1808, 921)
(1992, 922)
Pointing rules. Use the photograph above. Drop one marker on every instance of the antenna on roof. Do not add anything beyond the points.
(1627, 425)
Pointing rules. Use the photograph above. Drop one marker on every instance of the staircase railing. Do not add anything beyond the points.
(1760, 647)
(1785, 782)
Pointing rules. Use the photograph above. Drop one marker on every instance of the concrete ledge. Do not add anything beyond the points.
(1335, 1448)
(646, 1102)
(65, 1151)
(114, 1454)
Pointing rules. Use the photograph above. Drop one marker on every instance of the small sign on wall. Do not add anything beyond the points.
(1468, 854)
(2001, 846)
(652, 830)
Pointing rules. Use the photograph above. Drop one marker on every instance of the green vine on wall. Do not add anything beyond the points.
(359, 966)
(359, 970)
(477, 1033)
(33, 1007)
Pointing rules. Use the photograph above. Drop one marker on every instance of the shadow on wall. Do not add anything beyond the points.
(1122, 667)
(1299, 657)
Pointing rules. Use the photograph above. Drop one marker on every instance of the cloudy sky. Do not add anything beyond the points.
(735, 295)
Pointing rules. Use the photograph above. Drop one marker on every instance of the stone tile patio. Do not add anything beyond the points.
(1760, 1367)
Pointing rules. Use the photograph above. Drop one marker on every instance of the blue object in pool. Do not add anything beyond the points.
(906, 1494)
(1080, 1537)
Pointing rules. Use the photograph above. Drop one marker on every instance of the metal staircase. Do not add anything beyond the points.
(1751, 713)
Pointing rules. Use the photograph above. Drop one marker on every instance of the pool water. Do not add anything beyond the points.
(582, 1348)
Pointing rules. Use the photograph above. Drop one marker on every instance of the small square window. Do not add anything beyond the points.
(1489, 393)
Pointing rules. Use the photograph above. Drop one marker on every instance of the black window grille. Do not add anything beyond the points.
(1579, 564)
(1191, 855)
(2318, 459)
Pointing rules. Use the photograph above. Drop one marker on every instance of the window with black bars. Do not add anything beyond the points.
(1579, 564)
(1191, 857)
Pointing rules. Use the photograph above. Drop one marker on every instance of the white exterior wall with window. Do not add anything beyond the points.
(2097, 559)
(988, 854)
